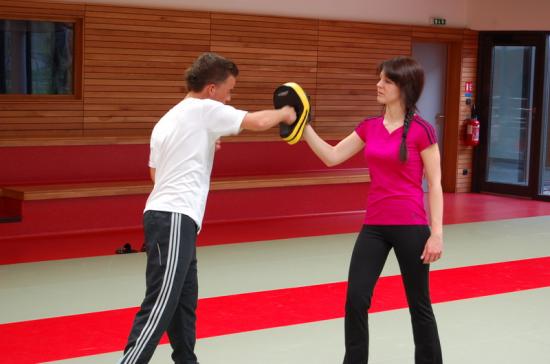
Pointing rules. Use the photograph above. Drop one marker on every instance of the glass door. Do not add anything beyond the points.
(510, 95)
(511, 115)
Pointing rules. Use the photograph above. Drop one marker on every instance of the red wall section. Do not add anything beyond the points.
(286, 201)
(68, 164)
(250, 158)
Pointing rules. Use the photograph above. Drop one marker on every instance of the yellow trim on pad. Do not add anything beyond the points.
(296, 134)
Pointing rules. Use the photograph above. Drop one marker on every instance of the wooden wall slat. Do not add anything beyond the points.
(141, 28)
(39, 113)
(154, 47)
(133, 82)
(151, 65)
(30, 107)
(143, 37)
(143, 95)
(41, 127)
(126, 24)
(37, 120)
(135, 76)
(127, 100)
(185, 19)
(91, 71)
(137, 12)
(222, 18)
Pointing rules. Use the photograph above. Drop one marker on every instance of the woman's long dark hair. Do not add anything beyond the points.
(408, 75)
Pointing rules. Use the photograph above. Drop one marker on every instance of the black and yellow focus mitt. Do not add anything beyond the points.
(292, 94)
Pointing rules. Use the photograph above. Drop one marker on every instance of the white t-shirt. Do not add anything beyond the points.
(182, 152)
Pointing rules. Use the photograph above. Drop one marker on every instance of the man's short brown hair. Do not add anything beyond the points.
(209, 68)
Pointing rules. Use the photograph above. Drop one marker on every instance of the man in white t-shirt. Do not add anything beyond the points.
(182, 153)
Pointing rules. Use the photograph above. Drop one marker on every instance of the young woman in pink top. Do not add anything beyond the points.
(400, 148)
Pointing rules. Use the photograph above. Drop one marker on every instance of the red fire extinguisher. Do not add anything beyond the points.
(472, 130)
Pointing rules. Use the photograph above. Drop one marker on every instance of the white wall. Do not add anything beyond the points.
(416, 12)
(509, 14)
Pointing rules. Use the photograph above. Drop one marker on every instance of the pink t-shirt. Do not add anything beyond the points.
(395, 195)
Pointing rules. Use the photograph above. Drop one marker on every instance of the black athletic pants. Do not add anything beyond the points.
(369, 255)
(172, 290)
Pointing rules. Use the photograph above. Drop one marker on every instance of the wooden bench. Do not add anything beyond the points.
(120, 188)
(94, 218)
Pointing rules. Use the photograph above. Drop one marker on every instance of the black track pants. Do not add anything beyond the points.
(172, 290)
(369, 255)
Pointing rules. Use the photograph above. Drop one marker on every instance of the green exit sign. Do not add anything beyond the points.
(438, 21)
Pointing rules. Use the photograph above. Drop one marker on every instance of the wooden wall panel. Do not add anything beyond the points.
(349, 54)
(134, 64)
(20, 119)
(134, 61)
(269, 51)
(469, 74)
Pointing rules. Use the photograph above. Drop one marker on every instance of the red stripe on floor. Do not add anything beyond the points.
(101, 332)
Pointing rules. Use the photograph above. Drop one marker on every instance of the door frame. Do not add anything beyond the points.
(486, 42)
(449, 161)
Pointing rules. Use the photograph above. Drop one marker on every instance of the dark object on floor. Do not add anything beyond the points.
(126, 249)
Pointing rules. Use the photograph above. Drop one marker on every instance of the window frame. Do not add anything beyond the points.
(78, 60)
